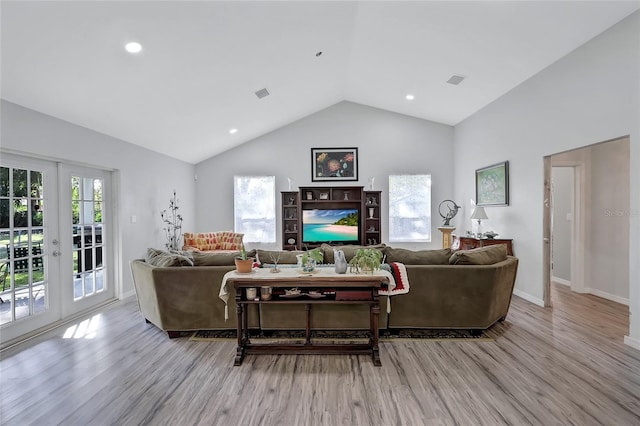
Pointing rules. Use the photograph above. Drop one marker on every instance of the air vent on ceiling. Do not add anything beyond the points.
(455, 79)
(262, 93)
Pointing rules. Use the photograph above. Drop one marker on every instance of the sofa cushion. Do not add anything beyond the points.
(480, 256)
(229, 240)
(218, 258)
(201, 241)
(284, 257)
(349, 251)
(418, 257)
(157, 257)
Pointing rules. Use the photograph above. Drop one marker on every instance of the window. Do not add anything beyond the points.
(409, 208)
(255, 208)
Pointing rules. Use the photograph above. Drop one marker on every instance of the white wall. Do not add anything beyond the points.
(562, 190)
(146, 178)
(388, 143)
(589, 96)
(609, 264)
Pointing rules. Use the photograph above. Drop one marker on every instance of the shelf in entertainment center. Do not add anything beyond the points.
(330, 197)
(330, 201)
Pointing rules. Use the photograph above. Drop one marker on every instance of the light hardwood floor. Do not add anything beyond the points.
(566, 365)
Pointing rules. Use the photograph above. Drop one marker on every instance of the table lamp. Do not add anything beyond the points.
(479, 214)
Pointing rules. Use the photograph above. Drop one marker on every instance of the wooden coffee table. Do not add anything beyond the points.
(357, 288)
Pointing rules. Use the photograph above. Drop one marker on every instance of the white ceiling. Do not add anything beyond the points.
(202, 61)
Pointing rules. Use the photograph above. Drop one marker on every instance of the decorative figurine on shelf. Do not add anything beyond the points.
(346, 195)
(490, 235)
(450, 209)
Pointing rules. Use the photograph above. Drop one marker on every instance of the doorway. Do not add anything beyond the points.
(598, 223)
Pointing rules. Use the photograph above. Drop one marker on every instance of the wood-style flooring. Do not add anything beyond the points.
(562, 366)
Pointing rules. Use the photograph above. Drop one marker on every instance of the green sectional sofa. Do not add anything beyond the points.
(468, 289)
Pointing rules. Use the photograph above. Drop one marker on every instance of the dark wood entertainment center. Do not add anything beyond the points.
(367, 203)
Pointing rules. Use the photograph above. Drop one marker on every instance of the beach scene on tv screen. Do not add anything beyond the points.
(330, 225)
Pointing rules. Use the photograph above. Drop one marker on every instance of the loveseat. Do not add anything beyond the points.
(467, 289)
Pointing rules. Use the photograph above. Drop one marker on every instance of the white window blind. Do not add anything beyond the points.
(409, 208)
(255, 208)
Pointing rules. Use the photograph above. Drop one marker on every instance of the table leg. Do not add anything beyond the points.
(308, 330)
(245, 322)
(375, 350)
(240, 349)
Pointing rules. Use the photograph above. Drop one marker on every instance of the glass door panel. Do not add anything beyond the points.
(87, 227)
(25, 224)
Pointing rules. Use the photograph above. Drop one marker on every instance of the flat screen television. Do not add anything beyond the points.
(331, 226)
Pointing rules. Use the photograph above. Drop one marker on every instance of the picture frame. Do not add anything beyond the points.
(334, 164)
(309, 195)
(324, 195)
(492, 185)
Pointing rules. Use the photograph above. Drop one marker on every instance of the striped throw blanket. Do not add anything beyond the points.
(399, 272)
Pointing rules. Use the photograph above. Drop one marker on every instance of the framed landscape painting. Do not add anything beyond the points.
(334, 164)
(492, 185)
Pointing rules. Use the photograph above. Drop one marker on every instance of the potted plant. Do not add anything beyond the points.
(310, 258)
(366, 260)
(243, 262)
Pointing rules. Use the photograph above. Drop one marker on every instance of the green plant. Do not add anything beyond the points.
(243, 253)
(314, 254)
(365, 260)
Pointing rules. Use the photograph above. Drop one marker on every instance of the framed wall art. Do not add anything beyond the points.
(334, 164)
(492, 185)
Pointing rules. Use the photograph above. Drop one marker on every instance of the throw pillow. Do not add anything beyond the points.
(218, 259)
(480, 256)
(229, 240)
(418, 257)
(284, 257)
(201, 241)
(157, 257)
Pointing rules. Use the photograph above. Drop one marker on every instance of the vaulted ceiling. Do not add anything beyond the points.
(202, 62)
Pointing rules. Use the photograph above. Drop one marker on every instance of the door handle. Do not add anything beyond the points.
(56, 253)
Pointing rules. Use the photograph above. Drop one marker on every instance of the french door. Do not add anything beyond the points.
(54, 243)
(85, 245)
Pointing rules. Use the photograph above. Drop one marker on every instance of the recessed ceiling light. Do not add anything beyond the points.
(133, 47)
(232, 131)
(410, 97)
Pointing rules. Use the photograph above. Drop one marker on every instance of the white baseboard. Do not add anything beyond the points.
(561, 281)
(607, 296)
(634, 343)
(529, 298)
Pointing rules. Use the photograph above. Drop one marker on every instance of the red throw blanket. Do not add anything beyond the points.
(399, 272)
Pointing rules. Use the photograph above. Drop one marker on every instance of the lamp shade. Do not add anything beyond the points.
(479, 213)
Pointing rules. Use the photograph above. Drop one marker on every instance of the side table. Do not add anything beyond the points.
(467, 243)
